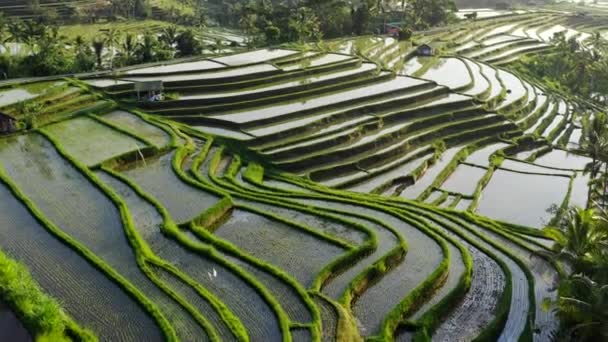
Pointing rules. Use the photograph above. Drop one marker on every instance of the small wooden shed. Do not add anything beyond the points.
(425, 50)
(8, 124)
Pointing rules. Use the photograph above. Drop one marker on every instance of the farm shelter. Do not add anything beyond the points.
(7, 124)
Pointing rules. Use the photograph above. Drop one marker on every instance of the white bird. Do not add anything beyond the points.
(214, 273)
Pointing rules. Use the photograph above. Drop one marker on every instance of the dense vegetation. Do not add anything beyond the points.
(572, 68)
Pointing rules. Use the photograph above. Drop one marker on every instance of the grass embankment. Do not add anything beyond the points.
(41, 315)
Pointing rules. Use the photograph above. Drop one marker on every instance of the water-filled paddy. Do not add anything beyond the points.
(296, 252)
(482, 156)
(223, 132)
(252, 57)
(90, 141)
(180, 67)
(520, 50)
(481, 84)
(366, 67)
(434, 196)
(514, 86)
(522, 198)
(15, 95)
(413, 64)
(575, 138)
(400, 171)
(450, 72)
(143, 129)
(563, 160)
(318, 223)
(428, 177)
(148, 223)
(183, 201)
(580, 190)
(323, 60)
(514, 165)
(548, 34)
(490, 73)
(210, 75)
(378, 89)
(464, 179)
(420, 261)
(557, 120)
(105, 83)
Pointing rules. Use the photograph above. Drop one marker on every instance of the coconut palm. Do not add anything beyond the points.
(112, 39)
(147, 48)
(14, 28)
(169, 35)
(580, 234)
(584, 305)
(594, 143)
(129, 48)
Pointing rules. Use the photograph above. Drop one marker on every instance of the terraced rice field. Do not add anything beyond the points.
(309, 196)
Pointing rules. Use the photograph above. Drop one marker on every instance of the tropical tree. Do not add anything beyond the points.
(580, 234)
(147, 48)
(583, 306)
(305, 25)
(169, 35)
(594, 143)
(84, 59)
(112, 39)
(187, 44)
(422, 14)
(129, 49)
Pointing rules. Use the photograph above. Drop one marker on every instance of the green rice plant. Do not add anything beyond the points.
(120, 129)
(214, 216)
(41, 314)
(254, 173)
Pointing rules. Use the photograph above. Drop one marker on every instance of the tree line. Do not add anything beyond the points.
(280, 21)
(572, 66)
(42, 51)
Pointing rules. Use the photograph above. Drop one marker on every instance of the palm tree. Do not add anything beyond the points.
(580, 234)
(597, 41)
(594, 143)
(129, 47)
(147, 47)
(583, 306)
(169, 35)
(112, 39)
(14, 28)
(98, 47)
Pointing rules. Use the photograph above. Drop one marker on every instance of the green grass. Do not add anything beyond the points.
(41, 314)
